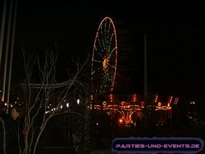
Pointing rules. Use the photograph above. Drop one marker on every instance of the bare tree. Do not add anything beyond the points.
(45, 97)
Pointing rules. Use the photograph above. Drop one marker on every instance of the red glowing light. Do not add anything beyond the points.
(91, 97)
(111, 97)
(170, 99)
(134, 98)
(142, 103)
(156, 98)
(123, 103)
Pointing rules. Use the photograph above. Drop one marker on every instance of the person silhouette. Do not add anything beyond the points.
(17, 115)
(7, 132)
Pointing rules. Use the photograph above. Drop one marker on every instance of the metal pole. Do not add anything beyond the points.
(145, 112)
(145, 68)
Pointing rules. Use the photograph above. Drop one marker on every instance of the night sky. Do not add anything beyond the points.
(175, 39)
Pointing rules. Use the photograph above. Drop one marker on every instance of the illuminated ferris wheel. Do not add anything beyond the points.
(104, 58)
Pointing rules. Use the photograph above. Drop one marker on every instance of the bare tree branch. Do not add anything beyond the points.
(44, 98)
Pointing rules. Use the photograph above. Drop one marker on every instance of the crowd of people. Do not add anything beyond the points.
(11, 130)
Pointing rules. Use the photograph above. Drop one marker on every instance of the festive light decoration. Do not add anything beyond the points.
(111, 98)
(122, 103)
(156, 97)
(134, 98)
(159, 104)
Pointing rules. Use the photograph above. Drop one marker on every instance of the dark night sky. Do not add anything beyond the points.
(175, 38)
